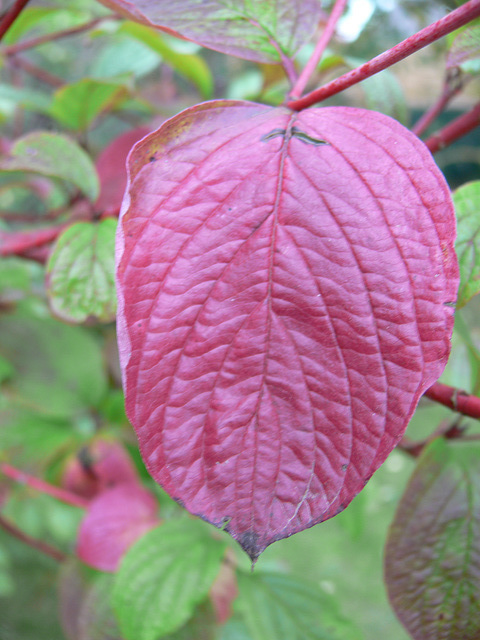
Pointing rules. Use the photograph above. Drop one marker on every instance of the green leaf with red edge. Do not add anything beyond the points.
(464, 51)
(466, 200)
(432, 557)
(285, 286)
(77, 105)
(163, 577)
(253, 29)
(56, 156)
(81, 273)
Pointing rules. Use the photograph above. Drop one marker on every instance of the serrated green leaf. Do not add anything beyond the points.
(54, 155)
(276, 606)
(59, 368)
(189, 66)
(466, 200)
(77, 105)
(81, 272)
(163, 577)
(432, 558)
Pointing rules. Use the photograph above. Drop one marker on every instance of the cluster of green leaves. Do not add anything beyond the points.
(60, 386)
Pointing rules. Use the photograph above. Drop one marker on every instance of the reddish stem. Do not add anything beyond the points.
(453, 85)
(44, 487)
(455, 399)
(17, 242)
(36, 72)
(456, 129)
(10, 16)
(45, 548)
(457, 18)
(322, 44)
(56, 35)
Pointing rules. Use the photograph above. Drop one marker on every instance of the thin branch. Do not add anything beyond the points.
(36, 71)
(457, 18)
(322, 44)
(445, 430)
(10, 16)
(454, 83)
(55, 35)
(455, 399)
(39, 545)
(44, 487)
(455, 130)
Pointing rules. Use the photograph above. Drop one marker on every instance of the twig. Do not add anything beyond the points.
(444, 430)
(35, 71)
(456, 129)
(56, 35)
(454, 83)
(455, 399)
(39, 545)
(44, 487)
(322, 44)
(10, 16)
(457, 18)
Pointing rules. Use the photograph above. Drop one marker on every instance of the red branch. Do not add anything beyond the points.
(18, 242)
(322, 44)
(456, 129)
(454, 83)
(37, 72)
(44, 487)
(45, 548)
(10, 16)
(455, 399)
(457, 18)
(56, 35)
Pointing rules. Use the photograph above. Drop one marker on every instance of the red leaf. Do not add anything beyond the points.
(115, 519)
(283, 305)
(112, 171)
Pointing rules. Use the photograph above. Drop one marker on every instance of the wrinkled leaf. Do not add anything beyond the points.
(467, 206)
(432, 558)
(189, 66)
(80, 272)
(54, 155)
(284, 301)
(115, 519)
(251, 29)
(275, 605)
(112, 170)
(163, 577)
(66, 374)
(77, 105)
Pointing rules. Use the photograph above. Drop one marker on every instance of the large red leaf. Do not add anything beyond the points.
(285, 284)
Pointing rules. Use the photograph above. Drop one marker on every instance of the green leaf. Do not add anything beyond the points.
(163, 577)
(464, 51)
(43, 20)
(54, 155)
(77, 105)
(189, 66)
(125, 55)
(432, 560)
(80, 272)
(384, 93)
(59, 368)
(466, 200)
(13, 97)
(280, 606)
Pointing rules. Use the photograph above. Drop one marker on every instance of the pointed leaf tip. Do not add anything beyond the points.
(281, 306)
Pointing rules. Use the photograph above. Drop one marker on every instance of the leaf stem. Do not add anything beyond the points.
(44, 487)
(9, 17)
(45, 548)
(455, 399)
(456, 129)
(39, 545)
(457, 18)
(37, 72)
(322, 44)
(453, 84)
(56, 35)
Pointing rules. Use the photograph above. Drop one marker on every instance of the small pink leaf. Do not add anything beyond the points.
(286, 283)
(112, 171)
(115, 519)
